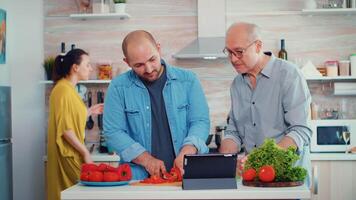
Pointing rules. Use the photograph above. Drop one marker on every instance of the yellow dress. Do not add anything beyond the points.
(66, 112)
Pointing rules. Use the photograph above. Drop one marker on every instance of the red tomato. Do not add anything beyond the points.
(156, 179)
(84, 176)
(266, 173)
(175, 172)
(89, 167)
(124, 172)
(249, 175)
(110, 176)
(96, 176)
(106, 168)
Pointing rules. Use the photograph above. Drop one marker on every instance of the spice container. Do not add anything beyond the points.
(353, 64)
(331, 68)
(105, 72)
(344, 67)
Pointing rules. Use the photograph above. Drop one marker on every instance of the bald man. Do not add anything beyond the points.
(155, 113)
(269, 97)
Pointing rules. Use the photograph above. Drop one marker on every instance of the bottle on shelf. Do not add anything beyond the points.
(63, 48)
(282, 52)
(72, 47)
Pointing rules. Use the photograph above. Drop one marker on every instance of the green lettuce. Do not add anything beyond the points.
(282, 161)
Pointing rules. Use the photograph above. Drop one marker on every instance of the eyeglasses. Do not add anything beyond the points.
(237, 53)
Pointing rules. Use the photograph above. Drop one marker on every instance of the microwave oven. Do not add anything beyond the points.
(332, 135)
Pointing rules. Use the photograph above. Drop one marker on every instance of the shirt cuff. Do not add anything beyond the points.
(132, 152)
(297, 139)
(197, 143)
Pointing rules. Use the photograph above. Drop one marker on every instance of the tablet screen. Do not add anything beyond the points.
(210, 166)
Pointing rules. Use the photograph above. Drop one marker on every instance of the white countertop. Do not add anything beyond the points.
(333, 156)
(175, 192)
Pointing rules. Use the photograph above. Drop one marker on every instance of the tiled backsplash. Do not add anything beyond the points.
(174, 25)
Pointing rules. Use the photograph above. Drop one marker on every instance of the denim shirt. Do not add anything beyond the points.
(127, 114)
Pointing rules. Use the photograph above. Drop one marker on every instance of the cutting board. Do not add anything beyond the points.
(179, 184)
(272, 184)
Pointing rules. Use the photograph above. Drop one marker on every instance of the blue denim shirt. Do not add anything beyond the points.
(127, 114)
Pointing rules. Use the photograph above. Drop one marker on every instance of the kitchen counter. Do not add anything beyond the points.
(333, 156)
(174, 192)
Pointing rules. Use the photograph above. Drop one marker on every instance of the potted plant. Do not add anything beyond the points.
(48, 66)
(120, 6)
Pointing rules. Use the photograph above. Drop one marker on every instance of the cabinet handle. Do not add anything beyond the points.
(315, 180)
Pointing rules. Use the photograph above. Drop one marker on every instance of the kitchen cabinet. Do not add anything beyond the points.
(336, 178)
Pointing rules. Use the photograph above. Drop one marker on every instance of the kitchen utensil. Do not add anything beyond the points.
(92, 148)
(100, 99)
(90, 122)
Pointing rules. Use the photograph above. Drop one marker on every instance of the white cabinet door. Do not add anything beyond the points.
(336, 180)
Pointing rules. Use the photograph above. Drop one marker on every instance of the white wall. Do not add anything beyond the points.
(24, 58)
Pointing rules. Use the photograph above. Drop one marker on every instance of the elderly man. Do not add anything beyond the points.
(269, 97)
(155, 113)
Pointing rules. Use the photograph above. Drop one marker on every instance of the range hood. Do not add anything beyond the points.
(203, 47)
(211, 32)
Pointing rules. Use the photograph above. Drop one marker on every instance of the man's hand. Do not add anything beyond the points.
(187, 149)
(153, 165)
(287, 142)
(228, 146)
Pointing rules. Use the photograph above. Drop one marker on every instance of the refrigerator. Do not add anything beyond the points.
(6, 192)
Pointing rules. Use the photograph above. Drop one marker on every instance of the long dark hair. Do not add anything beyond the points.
(63, 63)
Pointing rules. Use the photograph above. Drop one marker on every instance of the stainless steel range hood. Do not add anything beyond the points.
(211, 32)
(203, 47)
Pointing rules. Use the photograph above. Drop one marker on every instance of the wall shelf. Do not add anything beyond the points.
(337, 78)
(83, 82)
(343, 11)
(100, 16)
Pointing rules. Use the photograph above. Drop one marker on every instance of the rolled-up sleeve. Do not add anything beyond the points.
(296, 102)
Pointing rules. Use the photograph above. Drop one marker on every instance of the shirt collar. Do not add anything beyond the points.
(169, 73)
(267, 70)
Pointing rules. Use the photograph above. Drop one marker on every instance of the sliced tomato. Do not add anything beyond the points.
(175, 172)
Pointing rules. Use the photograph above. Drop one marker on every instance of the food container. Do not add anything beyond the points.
(105, 72)
(331, 68)
(353, 64)
(344, 67)
(322, 70)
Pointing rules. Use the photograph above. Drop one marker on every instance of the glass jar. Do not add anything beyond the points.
(344, 67)
(105, 72)
(101, 6)
(331, 68)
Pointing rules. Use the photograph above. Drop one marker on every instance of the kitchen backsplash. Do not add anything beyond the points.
(174, 25)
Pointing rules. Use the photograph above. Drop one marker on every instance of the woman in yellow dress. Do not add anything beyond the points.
(66, 123)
